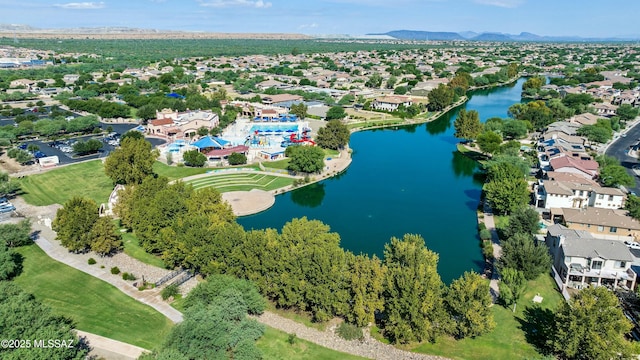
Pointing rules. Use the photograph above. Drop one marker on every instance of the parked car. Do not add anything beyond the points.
(7, 208)
(23, 146)
(632, 245)
(39, 154)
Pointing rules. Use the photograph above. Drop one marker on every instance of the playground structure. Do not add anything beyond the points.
(295, 139)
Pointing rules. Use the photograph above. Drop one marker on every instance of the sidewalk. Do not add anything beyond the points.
(106, 348)
(489, 222)
(59, 253)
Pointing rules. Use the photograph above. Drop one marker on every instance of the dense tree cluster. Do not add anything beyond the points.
(306, 159)
(8, 185)
(24, 317)
(79, 228)
(612, 174)
(334, 135)
(131, 162)
(506, 188)
(467, 125)
(440, 98)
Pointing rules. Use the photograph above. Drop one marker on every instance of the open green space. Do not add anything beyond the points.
(179, 172)
(56, 186)
(278, 164)
(95, 306)
(132, 248)
(241, 182)
(473, 154)
(274, 345)
(507, 340)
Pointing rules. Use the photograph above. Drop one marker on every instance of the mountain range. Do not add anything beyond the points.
(490, 36)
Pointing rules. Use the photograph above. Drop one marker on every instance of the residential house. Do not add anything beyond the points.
(280, 98)
(173, 124)
(577, 194)
(70, 78)
(423, 88)
(599, 221)
(605, 109)
(584, 119)
(585, 168)
(391, 103)
(580, 260)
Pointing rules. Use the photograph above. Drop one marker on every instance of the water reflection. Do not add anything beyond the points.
(462, 165)
(309, 196)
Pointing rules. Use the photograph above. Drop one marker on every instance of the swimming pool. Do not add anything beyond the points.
(273, 128)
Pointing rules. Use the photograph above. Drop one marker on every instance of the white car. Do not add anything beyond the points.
(632, 245)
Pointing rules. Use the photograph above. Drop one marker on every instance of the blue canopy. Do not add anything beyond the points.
(210, 142)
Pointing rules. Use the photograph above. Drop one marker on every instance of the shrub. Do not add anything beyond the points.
(91, 261)
(485, 234)
(292, 339)
(349, 332)
(127, 276)
(115, 270)
(481, 226)
(487, 250)
(170, 291)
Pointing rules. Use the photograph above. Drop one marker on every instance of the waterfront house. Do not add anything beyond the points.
(610, 222)
(577, 194)
(585, 168)
(391, 103)
(580, 260)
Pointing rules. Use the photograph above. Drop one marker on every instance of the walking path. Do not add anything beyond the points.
(106, 348)
(369, 347)
(497, 251)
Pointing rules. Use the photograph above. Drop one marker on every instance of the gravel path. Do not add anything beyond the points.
(368, 348)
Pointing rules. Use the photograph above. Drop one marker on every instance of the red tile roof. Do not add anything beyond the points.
(160, 122)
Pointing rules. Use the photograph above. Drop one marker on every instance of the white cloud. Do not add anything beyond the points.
(501, 3)
(260, 4)
(81, 5)
(308, 26)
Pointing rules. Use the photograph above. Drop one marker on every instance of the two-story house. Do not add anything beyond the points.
(581, 260)
(391, 103)
(599, 221)
(577, 194)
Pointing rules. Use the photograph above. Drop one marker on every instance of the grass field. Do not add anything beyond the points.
(507, 340)
(241, 182)
(56, 186)
(278, 164)
(133, 249)
(94, 305)
(274, 345)
(178, 172)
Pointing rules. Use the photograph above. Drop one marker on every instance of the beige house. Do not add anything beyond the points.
(599, 221)
(175, 125)
(391, 103)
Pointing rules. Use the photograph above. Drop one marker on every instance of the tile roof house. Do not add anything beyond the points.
(580, 193)
(391, 103)
(585, 168)
(580, 260)
(173, 124)
(600, 221)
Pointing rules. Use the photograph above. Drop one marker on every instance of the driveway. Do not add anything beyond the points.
(619, 149)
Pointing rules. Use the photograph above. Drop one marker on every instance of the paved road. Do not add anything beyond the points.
(620, 148)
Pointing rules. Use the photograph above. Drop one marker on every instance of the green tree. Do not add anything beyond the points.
(374, 81)
(334, 135)
(23, 157)
(308, 159)
(615, 175)
(440, 98)
(87, 147)
(14, 235)
(520, 252)
(627, 112)
(336, 113)
(412, 291)
(237, 159)
(535, 82)
(592, 326)
(131, 162)
(536, 112)
(194, 158)
(209, 291)
(9, 263)
(489, 142)
(104, 238)
(8, 185)
(24, 317)
(467, 125)
(523, 221)
(365, 286)
(595, 133)
(512, 286)
(468, 303)
(299, 110)
(633, 206)
(506, 190)
(514, 129)
(73, 223)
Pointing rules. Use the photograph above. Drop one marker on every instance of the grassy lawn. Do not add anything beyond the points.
(279, 164)
(331, 152)
(94, 305)
(275, 346)
(473, 154)
(297, 316)
(368, 124)
(133, 249)
(59, 185)
(507, 340)
(178, 172)
(241, 182)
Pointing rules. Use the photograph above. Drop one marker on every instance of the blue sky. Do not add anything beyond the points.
(597, 18)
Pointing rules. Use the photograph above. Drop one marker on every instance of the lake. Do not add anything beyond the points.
(405, 180)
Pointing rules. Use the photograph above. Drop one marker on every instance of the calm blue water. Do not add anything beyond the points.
(409, 180)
